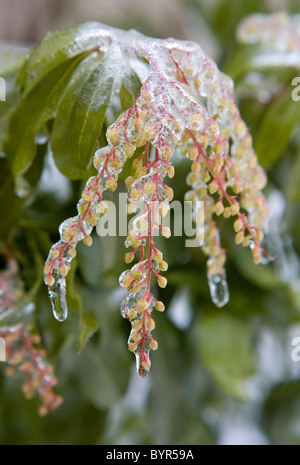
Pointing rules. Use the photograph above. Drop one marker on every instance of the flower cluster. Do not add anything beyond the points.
(23, 349)
(278, 30)
(185, 103)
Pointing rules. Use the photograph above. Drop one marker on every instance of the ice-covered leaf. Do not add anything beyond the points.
(278, 123)
(80, 115)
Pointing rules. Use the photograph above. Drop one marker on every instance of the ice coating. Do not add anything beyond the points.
(278, 30)
(185, 102)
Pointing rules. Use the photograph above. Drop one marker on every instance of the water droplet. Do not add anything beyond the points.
(251, 244)
(266, 258)
(22, 187)
(59, 304)
(218, 290)
(41, 139)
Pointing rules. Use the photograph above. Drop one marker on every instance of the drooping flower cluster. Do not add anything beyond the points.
(23, 349)
(185, 103)
(278, 30)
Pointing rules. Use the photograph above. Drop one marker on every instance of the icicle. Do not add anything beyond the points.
(218, 290)
(58, 303)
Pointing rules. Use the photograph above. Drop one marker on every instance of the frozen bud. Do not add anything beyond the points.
(112, 135)
(131, 346)
(149, 133)
(150, 325)
(219, 208)
(153, 344)
(240, 128)
(196, 167)
(166, 232)
(135, 194)
(234, 209)
(54, 253)
(256, 257)
(92, 220)
(137, 123)
(64, 270)
(158, 256)
(146, 95)
(238, 225)
(169, 193)
(142, 305)
(146, 364)
(246, 241)
(213, 187)
(171, 172)
(129, 257)
(259, 235)
(159, 306)
(116, 163)
(87, 196)
(88, 240)
(163, 266)
(137, 164)
(103, 208)
(193, 153)
(136, 274)
(239, 237)
(237, 187)
(162, 281)
(149, 188)
(168, 154)
(50, 281)
(135, 336)
(233, 171)
(140, 141)
(227, 212)
(129, 150)
(111, 184)
(129, 181)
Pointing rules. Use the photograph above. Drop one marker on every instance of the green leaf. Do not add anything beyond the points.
(11, 60)
(88, 325)
(279, 121)
(282, 407)
(224, 346)
(81, 114)
(10, 203)
(248, 58)
(242, 61)
(31, 113)
(293, 190)
(58, 47)
(130, 88)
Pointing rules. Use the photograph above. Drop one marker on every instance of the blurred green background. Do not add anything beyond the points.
(220, 376)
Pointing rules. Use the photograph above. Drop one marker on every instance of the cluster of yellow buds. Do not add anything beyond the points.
(23, 349)
(279, 31)
(185, 102)
(24, 353)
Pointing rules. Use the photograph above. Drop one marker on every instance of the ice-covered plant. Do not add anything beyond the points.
(277, 31)
(266, 70)
(172, 97)
(23, 349)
